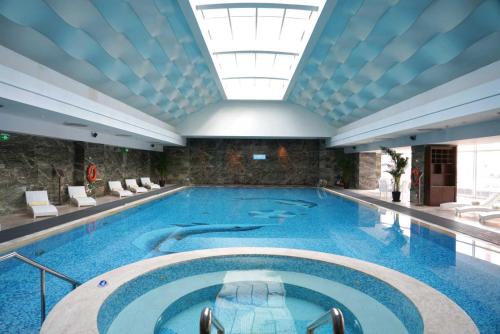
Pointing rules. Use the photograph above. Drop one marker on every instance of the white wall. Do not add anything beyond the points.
(255, 119)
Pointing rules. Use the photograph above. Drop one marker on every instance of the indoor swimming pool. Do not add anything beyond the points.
(215, 217)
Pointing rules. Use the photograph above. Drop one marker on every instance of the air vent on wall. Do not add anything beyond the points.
(123, 135)
(75, 125)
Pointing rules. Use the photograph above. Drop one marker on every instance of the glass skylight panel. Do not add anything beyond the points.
(256, 46)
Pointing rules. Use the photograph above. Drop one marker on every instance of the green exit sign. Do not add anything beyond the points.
(4, 137)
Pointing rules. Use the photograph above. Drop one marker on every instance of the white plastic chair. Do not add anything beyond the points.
(384, 187)
(146, 182)
(116, 189)
(134, 187)
(39, 205)
(78, 196)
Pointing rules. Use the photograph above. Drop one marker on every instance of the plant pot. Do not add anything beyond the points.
(396, 196)
(162, 183)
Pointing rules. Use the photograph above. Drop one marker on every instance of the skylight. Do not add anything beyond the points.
(256, 46)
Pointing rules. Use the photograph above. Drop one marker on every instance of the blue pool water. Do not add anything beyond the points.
(275, 217)
(256, 294)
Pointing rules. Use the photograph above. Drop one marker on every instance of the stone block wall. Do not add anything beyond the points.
(28, 163)
(230, 161)
(328, 169)
(367, 171)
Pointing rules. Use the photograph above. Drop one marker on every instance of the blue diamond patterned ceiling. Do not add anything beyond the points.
(375, 53)
(141, 52)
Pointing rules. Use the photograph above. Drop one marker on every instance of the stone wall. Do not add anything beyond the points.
(367, 171)
(230, 161)
(115, 163)
(328, 169)
(29, 163)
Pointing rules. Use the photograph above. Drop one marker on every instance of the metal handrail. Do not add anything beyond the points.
(334, 316)
(43, 270)
(207, 319)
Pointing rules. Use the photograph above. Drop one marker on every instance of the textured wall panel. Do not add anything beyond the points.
(140, 52)
(373, 54)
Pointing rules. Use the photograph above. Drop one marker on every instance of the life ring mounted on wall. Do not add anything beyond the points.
(91, 172)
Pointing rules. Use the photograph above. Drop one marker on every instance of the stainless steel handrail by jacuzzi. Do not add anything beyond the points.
(43, 270)
(334, 316)
(207, 319)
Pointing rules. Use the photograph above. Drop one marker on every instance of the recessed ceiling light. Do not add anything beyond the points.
(75, 125)
(123, 135)
(1, 105)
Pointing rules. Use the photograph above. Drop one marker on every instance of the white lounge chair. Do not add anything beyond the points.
(384, 187)
(146, 182)
(78, 196)
(453, 205)
(116, 189)
(39, 205)
(484, 216)
(486, 206)
(134, 187)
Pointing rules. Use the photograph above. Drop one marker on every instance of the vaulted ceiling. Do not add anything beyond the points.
(141, 52)
(373, 54)
(369, 54)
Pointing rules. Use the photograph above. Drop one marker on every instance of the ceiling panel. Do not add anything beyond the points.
(141, 52)
(373, 54)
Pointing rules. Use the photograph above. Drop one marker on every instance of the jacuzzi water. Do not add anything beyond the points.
(303, 218)
(256, 294)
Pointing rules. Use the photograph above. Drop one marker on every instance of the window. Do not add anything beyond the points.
(256, 46)
(478, 174)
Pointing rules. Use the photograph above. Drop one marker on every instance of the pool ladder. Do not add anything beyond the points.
(335, 316)
(43, 269)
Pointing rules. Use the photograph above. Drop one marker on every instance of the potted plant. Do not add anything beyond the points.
(346, 165)
(396, 169)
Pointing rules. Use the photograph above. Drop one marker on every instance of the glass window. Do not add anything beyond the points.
(465, 173)
(478, 171)
(256, 46)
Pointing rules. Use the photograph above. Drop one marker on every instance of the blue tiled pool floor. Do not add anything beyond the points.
(199, 218)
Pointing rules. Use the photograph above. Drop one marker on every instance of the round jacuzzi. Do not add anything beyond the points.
(255, 290)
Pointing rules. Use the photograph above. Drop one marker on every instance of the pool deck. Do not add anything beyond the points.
(22, 225)
(468, 225)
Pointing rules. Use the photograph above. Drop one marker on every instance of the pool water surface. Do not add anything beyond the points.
(214, 217)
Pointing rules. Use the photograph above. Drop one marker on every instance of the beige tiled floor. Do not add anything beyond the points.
(25, 217)
(469, 218)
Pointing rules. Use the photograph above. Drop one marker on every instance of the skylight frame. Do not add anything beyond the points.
(232, 28)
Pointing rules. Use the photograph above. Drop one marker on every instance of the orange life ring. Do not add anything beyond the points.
(91, 172)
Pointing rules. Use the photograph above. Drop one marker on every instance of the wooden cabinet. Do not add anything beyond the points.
(440, 174)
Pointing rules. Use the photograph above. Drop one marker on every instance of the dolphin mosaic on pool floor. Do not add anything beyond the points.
(292, 202)
(160, 241)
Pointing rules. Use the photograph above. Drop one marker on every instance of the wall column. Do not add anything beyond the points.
(367, 170)
(417, 161)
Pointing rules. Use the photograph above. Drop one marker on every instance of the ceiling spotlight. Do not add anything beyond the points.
(93, 134)
(1, 106)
